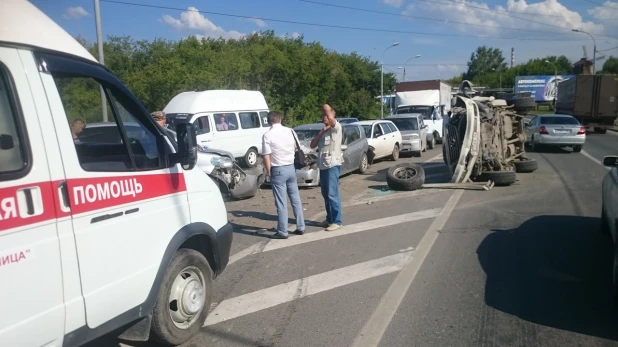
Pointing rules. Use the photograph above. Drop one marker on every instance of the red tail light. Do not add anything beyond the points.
(543, 130)
(582, 131)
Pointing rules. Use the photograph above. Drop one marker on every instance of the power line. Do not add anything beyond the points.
(605, 50)
(334, 26)
(423, 18)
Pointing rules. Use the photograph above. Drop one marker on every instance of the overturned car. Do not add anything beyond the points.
(485, 140)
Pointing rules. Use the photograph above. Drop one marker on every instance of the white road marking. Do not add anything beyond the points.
(594, 159)
(321, 235)
(435, 158)
(374, 329)
(286, 292)
(351, 229)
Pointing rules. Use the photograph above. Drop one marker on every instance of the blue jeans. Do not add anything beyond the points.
(329, 182)
(284, 184)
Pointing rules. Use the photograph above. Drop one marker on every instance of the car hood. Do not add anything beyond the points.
(220, 152)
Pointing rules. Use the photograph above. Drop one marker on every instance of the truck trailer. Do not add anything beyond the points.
(591, 99)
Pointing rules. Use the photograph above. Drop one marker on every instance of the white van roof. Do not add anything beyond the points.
(216, 101)
(23, 23)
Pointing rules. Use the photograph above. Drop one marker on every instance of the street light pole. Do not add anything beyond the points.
(97, 19)
(404, 65)
(382, 79)
(594, 50)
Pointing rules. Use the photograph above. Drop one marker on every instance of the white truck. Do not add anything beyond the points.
(431, 98)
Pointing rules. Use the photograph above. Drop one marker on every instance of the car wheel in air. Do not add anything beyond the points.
(526, 166)
(500, 178)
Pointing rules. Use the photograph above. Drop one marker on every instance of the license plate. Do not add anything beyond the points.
(562, 131)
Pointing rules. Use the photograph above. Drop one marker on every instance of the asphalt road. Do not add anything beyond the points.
(514, 266)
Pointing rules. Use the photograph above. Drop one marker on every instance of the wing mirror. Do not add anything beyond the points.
(187, 146)
(344, 147)
(610, 160)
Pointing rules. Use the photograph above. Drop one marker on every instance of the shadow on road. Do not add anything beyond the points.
(554, 271)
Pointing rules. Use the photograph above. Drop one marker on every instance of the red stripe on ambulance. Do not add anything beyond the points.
(85, 195)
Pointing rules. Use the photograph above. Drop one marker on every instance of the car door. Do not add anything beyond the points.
(530, 128)
(385, 140)
(423, 131)
(391, 137)
(126, 202)
(378, 141)
(31, 293)
(203, 129)
(352, 154)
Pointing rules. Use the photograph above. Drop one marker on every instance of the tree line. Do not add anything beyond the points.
(487, 67)
(296, 77)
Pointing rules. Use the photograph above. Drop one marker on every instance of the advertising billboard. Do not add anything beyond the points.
(543, 87)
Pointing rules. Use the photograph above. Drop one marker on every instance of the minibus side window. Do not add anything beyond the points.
(249, 120)
(13, 155)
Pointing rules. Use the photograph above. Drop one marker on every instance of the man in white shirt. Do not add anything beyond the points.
(330, 158)
(278, 148)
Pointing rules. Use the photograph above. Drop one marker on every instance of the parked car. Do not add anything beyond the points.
(415, 134)
(384, 137)
(609, 211)
(555, 130)
(356, 153)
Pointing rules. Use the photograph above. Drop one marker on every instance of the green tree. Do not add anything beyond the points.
(611, 66)
(483, 61)
(295, 76)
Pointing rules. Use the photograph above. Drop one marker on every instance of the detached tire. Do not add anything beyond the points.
(500, 178)
(405, 176)
(526, 166)
(184, 298)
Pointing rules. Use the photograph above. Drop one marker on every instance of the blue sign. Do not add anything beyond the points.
(542, 88)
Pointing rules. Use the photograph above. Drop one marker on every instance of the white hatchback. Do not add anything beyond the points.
(384, 137)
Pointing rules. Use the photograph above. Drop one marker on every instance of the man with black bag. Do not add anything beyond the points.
(282, 156)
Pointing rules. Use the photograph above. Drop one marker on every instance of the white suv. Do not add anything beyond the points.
(96, 232)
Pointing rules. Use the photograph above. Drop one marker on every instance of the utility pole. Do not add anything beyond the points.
(97, 19)
(594, 51)
(382, 79)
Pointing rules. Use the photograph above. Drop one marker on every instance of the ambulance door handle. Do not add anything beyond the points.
(63, 193)
(29, 202)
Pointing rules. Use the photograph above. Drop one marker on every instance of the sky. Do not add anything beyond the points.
(443, 32)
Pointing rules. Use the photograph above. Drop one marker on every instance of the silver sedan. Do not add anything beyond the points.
(557, 130)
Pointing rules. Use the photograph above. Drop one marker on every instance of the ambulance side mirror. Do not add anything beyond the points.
(187, 145)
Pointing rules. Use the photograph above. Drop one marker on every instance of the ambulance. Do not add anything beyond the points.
(100, 231)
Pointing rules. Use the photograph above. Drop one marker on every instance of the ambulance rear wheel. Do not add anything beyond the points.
(184, 298)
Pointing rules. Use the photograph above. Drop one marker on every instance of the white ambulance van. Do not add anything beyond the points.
(96, 233)
(230, 120)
